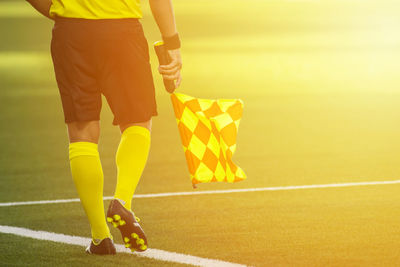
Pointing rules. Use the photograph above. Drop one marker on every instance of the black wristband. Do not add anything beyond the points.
(172, 42)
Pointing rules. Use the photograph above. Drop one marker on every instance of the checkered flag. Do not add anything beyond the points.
(208, 130)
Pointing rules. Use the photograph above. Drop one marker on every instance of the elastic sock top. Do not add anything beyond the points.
(136, 130)
(77, 149)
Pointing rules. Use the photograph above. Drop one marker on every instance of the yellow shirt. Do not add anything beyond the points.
(96, 9)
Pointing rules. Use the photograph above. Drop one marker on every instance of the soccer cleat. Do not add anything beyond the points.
(128, 224)
(105, 247)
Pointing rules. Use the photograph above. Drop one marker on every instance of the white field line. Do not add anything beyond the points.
(152, 253)
(173, 194)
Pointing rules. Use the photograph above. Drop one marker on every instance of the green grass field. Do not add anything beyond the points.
(320, 84)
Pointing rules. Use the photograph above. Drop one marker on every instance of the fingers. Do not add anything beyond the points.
(176, 61)
(178, 81)
(174, 66)
(172, 71)
(173, 77)
(176, 77)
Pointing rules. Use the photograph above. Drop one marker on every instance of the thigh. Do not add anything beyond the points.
(125, 78)
(74, 70)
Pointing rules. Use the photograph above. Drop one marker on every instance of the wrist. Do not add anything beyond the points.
(172, 42)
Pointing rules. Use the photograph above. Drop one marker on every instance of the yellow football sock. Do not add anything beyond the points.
(88, 177)
(131, 158)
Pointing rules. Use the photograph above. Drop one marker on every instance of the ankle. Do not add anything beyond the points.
(125, 204)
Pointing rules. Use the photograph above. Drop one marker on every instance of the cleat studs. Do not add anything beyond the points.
(143, 247)
(109, 219)
(140, 241)
(122, 222)
(134, 235)
(127, 245)
(133, 250)
(126, 239)
(117, 217)
(115, 224)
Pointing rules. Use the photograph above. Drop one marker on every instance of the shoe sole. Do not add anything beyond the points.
(134, 243)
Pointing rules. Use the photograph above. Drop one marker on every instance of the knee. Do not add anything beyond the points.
(88, 131)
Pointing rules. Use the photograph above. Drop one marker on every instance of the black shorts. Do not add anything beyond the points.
(109, 57)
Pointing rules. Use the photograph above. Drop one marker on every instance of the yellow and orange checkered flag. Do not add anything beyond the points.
(208, 130)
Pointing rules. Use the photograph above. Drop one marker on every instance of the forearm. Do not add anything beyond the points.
(43, 6)
(163, 14)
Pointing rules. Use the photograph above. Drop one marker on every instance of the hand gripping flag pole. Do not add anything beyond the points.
(208, 130)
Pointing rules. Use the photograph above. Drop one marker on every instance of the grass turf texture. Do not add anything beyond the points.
(45, 253)
(353, 226)
(321, 106)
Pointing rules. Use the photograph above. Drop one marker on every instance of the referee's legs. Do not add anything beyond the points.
(87, 174)
(131, 159)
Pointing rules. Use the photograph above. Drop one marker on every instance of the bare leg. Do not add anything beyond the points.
(84, 131)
